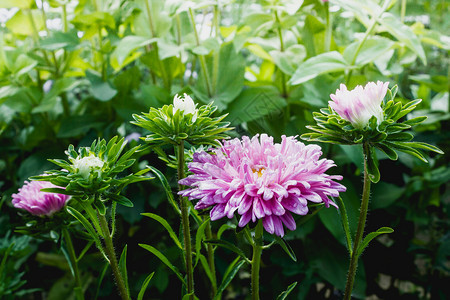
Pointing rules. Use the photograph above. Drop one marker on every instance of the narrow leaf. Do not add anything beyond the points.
(372, 166)
(286, 247)
(229, 275)
(229, 246)
(122, 200)
(199, 236)
(167, 188)
(123, 267)
(371, 236)
(77, 215)
(284, 294)
(163, 259)
(144, 286)
(167, 226)
(345, 224)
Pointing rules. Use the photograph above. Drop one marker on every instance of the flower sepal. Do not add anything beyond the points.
(387, 135)
(174, 123)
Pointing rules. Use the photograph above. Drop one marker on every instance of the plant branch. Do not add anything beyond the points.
(256, 259)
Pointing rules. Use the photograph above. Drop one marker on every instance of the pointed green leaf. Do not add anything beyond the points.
(60, 191)
(372, 166)
(388, 151)
(167, 226)
(164, 259)
(229, 246)
(77, 215)
(144, 286)
(122, 200)
(167, 188)
(199, 236)
(425, 146)
(344, 220)
(371, 236)
(123, 267)
(230, 273)
(286, 247)
(284, 294)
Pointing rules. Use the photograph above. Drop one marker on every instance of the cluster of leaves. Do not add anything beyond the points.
(167, 127)
(387, 136)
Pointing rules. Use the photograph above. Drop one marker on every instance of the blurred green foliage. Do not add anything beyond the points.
(72, 71)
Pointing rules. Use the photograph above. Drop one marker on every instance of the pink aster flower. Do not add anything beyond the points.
(261, 180)
(36, 202)
(360, 104)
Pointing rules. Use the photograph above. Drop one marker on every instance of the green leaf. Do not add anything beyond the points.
(123, 54)
(372, 166)
(425, 146)
(164, 259)
(101, 90)
(384, 194)
(60, 191)
(400, 137)
(371, 236)
(61, 40)
(317, 65)
(167, 226)
(20, 23)
(21, 4)
(199, 236)
(228, 246)
(167, 188)
(206, 267)
(286, 247)
(254, 103)
(225, 88)
(345, 225)
(284, 294)
(144, 286)
(387, 150)
(123, 268)
(228, 276)
(122, 200)
(371, 49)
(403, 33)
(77, 215)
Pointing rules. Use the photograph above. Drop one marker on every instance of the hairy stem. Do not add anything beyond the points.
(109, 250)
(185, 224)
(360, 229)
(74, 262)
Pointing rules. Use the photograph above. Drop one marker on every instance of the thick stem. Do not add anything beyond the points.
(360, 230)
(256, 259)
(211, 263)
(74, 262)
(185, 223)
(109, 249)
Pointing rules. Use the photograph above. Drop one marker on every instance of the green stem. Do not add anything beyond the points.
(256, 259)
(366, 35)
(185, 223)
(280, 36)
(201, 57)
(328, 28)
(109, 249)
(74, 262)
(211, 263)
(361, 224)
(403, 11)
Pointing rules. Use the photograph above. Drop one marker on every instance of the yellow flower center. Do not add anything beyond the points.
(259, 171)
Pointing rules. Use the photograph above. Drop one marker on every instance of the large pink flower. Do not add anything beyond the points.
(261, 180)
(36, 202)
(360, 104)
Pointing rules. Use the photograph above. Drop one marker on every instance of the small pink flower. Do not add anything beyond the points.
(261, 180)
(36, 202)
(360, 104)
